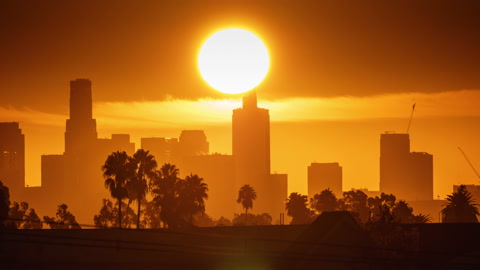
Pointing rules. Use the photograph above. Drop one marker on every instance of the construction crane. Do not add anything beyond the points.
(471, 165)
(411, 116)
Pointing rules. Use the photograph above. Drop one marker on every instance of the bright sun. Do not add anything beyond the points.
(233, 61)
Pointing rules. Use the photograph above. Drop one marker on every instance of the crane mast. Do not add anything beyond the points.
(411, 116)
(468, 160)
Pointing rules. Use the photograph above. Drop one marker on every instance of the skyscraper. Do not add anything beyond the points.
(409, 176)
(193, 143)
(421, 169)
(394, 163)
(81, 130)
(251, 150)
(12, 157)
(324, 175)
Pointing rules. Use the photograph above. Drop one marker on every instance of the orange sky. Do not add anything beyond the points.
(340, 75)
(303, 130)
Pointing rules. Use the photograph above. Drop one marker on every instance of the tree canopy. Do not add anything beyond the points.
(460, 207)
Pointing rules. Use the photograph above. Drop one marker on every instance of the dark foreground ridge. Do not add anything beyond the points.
(333, 241)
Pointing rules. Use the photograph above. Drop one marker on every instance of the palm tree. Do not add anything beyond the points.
(164, 188)
(325, 201)
(192, 194)
(297, 208)
(460, 207)
(403, 212)
(117, 170)
(421, 218)
(144, 165)
(246, 196)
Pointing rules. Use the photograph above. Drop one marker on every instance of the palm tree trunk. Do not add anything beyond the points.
(138, 213)
(119, 213)
(246, 210)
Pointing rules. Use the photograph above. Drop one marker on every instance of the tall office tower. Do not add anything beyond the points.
(408, 176)
(193, 143)
(12, 158)
(394, 163)
(84, 187)
(421, 181)
(325, 175)
(81, 131)
(251, 150)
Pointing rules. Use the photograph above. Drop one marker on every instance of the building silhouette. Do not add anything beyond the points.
(218, 171)
(193, 143)
(164, 149)
(12, 157)
(174, 150)
(53, 176)
(407, 175)
(251, 152)
(278, 194)
(81, 128)
(322, 176)
(75, 177)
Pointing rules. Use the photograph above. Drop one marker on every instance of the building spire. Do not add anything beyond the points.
(250, 99)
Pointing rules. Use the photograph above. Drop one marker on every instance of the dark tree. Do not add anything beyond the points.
(375, 204)
(296, 207)
(4, 204)
(64, 219)
(403, 212)
(325, 201)
(164, 188)
(144, 166)
(255, 220)
(108, 216)
(460, 207)
(117, 170)
(16, 214)
(21, 217)
(203, 220)
(32, 221)
(356, 202)
(223, 221)
(421, 218)
(246, 196)
(192, 195)
(151, 215)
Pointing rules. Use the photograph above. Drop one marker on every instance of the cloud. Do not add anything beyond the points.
(178, 113)
(29, 116)
(174, 113)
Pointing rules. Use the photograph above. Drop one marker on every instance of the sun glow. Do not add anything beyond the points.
(233, 61)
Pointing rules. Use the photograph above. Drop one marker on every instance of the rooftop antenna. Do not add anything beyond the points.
(411, 116)
(468, 160)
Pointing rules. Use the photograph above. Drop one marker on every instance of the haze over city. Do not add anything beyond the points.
(340, 76)
(239, 134)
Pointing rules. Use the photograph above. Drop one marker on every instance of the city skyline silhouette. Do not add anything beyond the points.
(257, 134)
(355, 85)
(361, 113)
